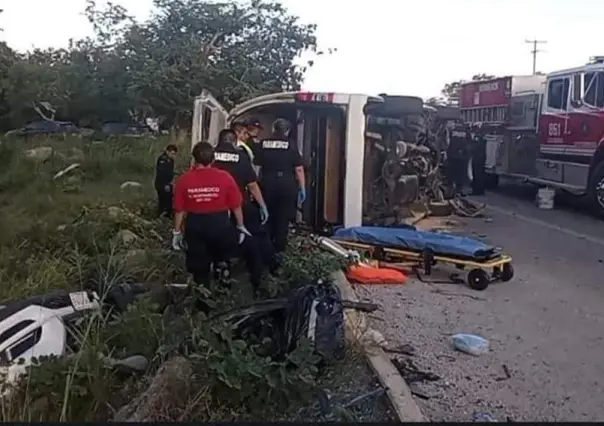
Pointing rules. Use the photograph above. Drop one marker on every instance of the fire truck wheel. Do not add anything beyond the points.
(596, 189)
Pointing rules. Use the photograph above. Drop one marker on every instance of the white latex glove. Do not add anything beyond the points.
(243, 232)
(177, 240)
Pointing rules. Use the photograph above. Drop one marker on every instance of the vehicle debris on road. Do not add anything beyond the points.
(470, 344)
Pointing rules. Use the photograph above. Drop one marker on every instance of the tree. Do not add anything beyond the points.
(156, 68)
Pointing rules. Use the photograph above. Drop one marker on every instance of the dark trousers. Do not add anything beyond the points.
(251, 220)
(164, 200)
(212, 238)
(457, 171)
(280, 193)
(479, 175)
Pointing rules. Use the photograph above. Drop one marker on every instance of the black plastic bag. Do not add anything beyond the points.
(314, 311)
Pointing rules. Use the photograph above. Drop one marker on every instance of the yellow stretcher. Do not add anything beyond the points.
(478, 277)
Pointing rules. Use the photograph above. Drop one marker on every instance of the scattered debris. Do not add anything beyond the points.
(470, 344)
(360, 306)
(465, 207)
(130, 184)
(40, 154)
(419, 392)
(374, 337)
(413, 376)
(455, 294)
(405, 349)
(506, 372)
(126, 237)
(411, 373)
(66, 170)
(135, 363)
(375, 393)
(481, 416)
(447, 357)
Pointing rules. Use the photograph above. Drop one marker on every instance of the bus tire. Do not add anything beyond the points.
(595, 189)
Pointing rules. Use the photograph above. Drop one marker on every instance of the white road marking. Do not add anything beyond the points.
(548, 225)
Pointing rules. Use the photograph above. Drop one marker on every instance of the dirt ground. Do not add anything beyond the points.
(545, 327)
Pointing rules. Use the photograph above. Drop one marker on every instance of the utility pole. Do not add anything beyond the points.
(534, 52)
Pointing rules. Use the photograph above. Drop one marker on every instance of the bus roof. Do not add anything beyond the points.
(291, 97)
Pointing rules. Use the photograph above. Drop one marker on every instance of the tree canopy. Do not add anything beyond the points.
(132, 70)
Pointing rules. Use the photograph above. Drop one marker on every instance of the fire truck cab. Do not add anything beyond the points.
(335, 136)
(549, 132)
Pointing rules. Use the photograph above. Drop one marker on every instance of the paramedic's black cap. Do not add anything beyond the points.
(253, 122)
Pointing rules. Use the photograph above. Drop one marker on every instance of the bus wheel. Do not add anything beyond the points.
(596, 189)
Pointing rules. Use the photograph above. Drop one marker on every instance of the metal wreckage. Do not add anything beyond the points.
(398, 142)
(405, 169)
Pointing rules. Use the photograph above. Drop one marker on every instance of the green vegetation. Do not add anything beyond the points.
(69, 232)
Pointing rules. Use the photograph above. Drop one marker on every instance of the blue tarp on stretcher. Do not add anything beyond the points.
(405, 237)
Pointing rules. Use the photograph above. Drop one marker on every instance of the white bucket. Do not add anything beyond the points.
(545, 198)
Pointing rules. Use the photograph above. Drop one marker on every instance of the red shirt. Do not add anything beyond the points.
(206, 190)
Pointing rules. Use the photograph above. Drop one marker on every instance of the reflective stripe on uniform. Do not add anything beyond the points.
(247, 149)
(250, 153)
(227, 157)
(271, 144)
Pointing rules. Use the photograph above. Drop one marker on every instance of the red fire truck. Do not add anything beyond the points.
(546, 130)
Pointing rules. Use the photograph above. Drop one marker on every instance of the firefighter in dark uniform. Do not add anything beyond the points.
(208, 196)
(255, 214)
(282, 180)
(164, 174)
(460, 142)
(479, 158)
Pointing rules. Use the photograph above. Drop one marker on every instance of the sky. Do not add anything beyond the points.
(399, 47)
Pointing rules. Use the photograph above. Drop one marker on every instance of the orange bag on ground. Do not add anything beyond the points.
(365, 274)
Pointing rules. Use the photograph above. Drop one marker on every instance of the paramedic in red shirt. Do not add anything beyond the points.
(207, 196)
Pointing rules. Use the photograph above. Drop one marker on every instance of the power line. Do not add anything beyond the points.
(534, 52)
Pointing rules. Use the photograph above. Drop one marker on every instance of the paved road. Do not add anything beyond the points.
(546, 325)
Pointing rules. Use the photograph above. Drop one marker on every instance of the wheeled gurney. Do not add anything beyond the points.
(428, 248)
